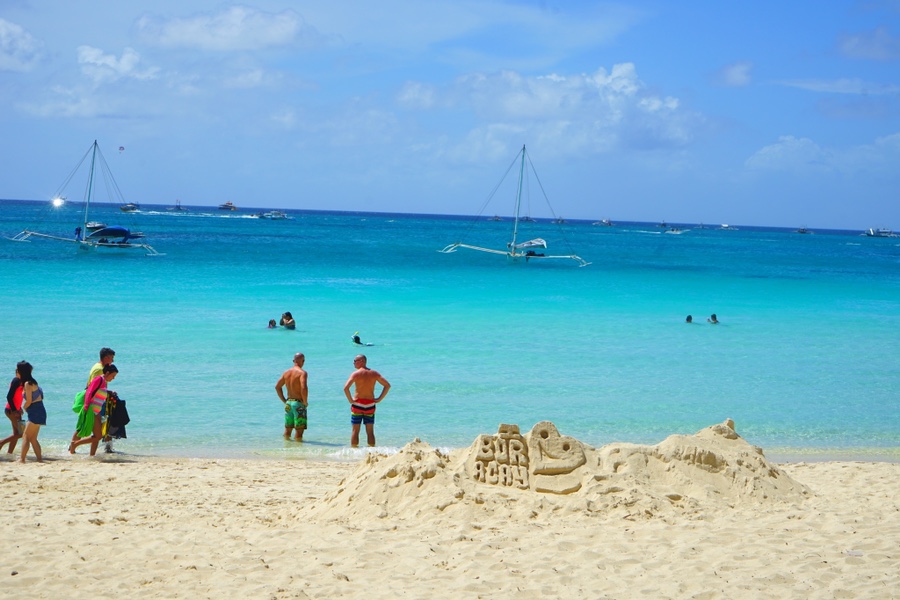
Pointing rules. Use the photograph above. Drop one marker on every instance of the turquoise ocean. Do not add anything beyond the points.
(806, 358)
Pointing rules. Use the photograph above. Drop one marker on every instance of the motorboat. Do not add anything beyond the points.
(882, 232)
(274, 215)
(227, 206)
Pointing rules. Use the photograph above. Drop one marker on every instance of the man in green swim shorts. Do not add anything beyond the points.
(297, 399)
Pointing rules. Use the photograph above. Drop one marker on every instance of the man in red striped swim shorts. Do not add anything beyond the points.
(363, 400)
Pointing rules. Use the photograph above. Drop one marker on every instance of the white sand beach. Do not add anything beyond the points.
(530, 515)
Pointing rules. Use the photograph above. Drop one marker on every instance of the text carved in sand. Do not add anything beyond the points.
(502, 459)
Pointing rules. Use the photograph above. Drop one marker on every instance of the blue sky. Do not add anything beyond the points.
(762, 113)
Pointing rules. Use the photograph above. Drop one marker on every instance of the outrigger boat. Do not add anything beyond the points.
(89, 234)
(515, 250)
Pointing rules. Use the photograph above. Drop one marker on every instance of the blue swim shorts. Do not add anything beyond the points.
(364, 419)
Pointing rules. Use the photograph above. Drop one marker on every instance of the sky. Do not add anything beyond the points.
(757, 113)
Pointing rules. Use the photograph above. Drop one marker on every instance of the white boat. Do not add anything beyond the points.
(880, 232)
(130, 207)
(603, 222)
(275, 215)
(227, 206)
(517, 251)
(727, 227)
(674, 230)
(92, 235)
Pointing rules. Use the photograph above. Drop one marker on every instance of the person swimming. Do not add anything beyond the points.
(689, 319)
(287, 321)
(712, 319)
(358, 341)
(272, 324)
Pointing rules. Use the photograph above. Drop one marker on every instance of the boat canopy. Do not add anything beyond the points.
(535, 243)
(113, 231)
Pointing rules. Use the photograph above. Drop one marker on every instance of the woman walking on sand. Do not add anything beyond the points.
(33, 404)
(13, 412)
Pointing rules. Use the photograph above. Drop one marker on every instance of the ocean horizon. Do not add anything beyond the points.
(804, 357)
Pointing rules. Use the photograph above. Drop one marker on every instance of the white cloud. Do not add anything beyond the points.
(842, 86)
(106, 67)
(19, 51)
(874, 45)
(252, 78)
(418, 95)
(598, 111)
(238, 28)
(788, 154)
(803, 155)
(735, 75)
(63, 102)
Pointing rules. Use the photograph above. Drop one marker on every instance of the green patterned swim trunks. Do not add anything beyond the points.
(294, 413)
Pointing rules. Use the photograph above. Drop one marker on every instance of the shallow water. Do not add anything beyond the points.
(804, 359)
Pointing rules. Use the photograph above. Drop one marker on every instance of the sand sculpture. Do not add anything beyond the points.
(543, 470)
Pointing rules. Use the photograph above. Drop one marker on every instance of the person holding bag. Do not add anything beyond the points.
(94, 405)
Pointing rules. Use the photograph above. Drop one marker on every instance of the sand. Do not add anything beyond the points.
(524, 515)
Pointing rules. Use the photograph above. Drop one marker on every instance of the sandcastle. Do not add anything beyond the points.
(543, 470)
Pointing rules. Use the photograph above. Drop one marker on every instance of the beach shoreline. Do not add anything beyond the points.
(312, 528)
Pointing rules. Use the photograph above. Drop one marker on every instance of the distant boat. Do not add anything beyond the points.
(603, 222)
(495, 218)
(274, 215)
(130, 207)
(93, 234)
(803, 230)
(880, 232)
(177, 206)
(674, 230)
(227, 206)
(727, 227)
(527, 219)
(515, 250)
(559, 220)
(663, 224)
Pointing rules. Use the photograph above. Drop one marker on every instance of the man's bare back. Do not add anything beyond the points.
(295, 380)
(363, 400)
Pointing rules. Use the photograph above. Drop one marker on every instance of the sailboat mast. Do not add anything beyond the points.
(90, 190)
(518, 202)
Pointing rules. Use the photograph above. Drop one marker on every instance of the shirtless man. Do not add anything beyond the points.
(363, 400)
(294, 379)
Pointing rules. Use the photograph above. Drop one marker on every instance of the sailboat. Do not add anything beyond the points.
(92, 235)
(515, 250)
